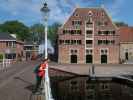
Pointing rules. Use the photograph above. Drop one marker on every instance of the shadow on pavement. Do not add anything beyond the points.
(30, 86)
(18, 78)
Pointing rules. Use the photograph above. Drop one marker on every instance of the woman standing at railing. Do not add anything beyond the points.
(40, 73)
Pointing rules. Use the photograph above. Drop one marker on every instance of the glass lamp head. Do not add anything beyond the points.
(45, 11)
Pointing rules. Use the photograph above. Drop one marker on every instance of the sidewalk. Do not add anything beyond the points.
(101, 70)
(18, 82)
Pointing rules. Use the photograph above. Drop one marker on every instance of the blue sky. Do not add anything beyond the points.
(28, 11)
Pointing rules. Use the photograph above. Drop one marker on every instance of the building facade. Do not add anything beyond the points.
(30, 50)
(88, 36)
(10, 48)
(126, 44)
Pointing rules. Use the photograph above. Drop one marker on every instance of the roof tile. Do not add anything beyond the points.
(6, 36)
(126, 34)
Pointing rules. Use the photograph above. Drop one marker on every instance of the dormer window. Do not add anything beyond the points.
(76, 14)
(90, 13)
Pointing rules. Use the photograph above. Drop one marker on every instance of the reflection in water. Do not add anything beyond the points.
(83, 88)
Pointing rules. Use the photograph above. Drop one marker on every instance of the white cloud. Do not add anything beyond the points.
(57, 13)
(29, 10)
(115, 8)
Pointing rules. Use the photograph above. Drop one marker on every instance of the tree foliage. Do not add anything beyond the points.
(34, 33)
(37, 31)
(15, 27)
(119, 24)
(53, 31)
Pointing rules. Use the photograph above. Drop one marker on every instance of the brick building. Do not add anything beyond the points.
(10, 48)
(126, 44)
(88, 36)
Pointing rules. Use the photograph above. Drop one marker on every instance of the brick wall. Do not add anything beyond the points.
(99, 15)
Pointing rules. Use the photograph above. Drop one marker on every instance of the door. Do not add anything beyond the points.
(89, 59)
(126, 55)
(104, 59)
(73, 58)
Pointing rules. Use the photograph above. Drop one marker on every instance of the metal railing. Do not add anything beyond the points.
(47, 88)
(5, 64)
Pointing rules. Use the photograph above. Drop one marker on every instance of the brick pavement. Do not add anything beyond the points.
(18, 82)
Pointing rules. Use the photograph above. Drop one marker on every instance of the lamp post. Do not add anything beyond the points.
(45, 11)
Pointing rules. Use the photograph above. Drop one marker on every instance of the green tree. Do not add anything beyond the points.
(119, 24)
(53, 31)
(15, 27)
(53, 36)
(37, 31)
(38, 35)
(0, 28)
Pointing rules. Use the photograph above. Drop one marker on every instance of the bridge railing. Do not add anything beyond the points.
(5, 64)
(47, 87)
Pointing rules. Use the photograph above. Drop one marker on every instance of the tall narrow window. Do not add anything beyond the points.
(88, 41)
(89, 32)
(76, 22)
(78, 41)
(99, 42)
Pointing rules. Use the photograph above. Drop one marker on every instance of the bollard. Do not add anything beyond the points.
(1, 64)
(37, 97)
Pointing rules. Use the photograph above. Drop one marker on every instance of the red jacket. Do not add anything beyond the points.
(42, 68)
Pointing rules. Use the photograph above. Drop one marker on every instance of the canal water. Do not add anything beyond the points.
(90, 88)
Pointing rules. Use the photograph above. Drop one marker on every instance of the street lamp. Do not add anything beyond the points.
(45, 12)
